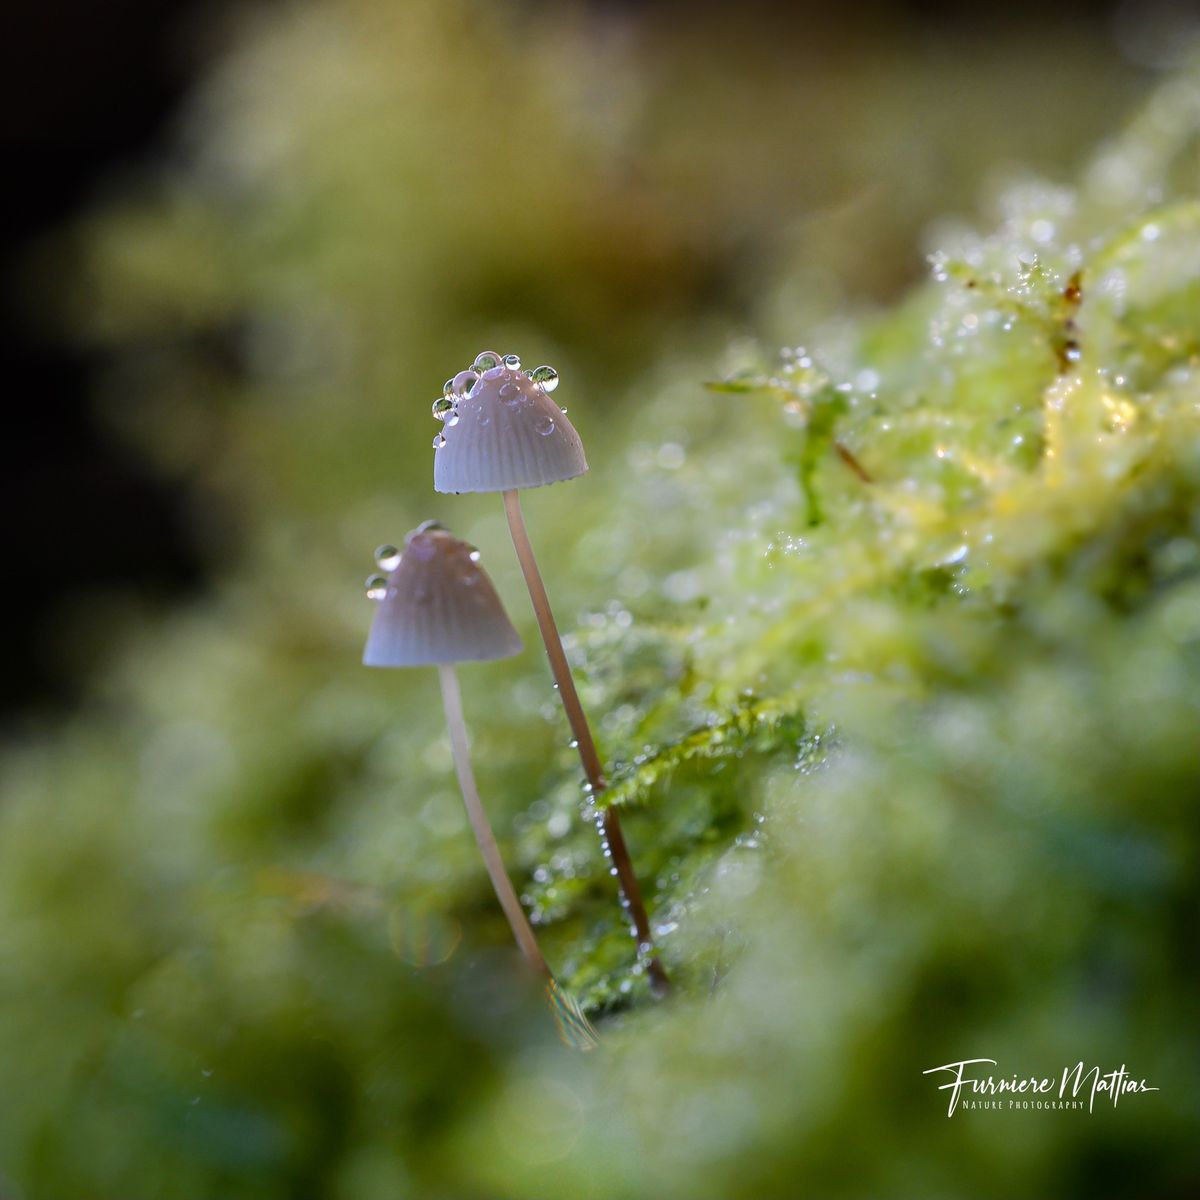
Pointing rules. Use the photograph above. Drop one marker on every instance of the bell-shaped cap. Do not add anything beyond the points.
(504, 432)
(438, 606)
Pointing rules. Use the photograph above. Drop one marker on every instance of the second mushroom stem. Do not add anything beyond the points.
(505, 892)
(583, 739)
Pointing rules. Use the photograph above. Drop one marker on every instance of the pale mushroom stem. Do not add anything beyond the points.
(583, 736)
(505, 893)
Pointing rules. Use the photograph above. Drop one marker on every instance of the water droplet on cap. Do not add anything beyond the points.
(512, 362)
(486, 361)
(430, 527)
(544, 426)
(387, 558)
(439, 441)
(463, 382)
(473, 554)
(546, 376)
(443, 406)
(448, 387)
(376, 587)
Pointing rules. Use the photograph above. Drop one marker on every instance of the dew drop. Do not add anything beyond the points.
(463, 382)
(387, 558)
(563, 411)
(439, 441)
(574, 743)
(452, 419)
(544, 426)
(486, 361)
(546, 376)
(509, 394)
(448, 387)
(512, 362)
(430, 527)
(443, 406)
(376, 587)
(474, 554)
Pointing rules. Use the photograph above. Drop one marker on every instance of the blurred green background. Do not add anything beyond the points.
(909, 750)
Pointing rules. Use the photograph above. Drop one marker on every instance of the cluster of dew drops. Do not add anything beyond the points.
(387, 559)
(592, 812)
(445, 407)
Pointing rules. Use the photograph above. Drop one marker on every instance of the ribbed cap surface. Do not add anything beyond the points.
(505, 432)
(438, 606)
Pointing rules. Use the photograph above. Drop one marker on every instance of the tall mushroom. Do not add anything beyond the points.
(502, 432)
(437, 607)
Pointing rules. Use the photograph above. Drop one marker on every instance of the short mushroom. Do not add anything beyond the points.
(437, 607)
(502, 432)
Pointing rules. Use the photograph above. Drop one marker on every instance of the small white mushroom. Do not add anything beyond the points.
(503, 433)
(437, 607)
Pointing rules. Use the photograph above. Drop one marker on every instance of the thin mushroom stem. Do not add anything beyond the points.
(583, 737)
(505, 893)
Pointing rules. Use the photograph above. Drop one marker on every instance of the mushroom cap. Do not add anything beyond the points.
(439, 606)
(508, 434)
